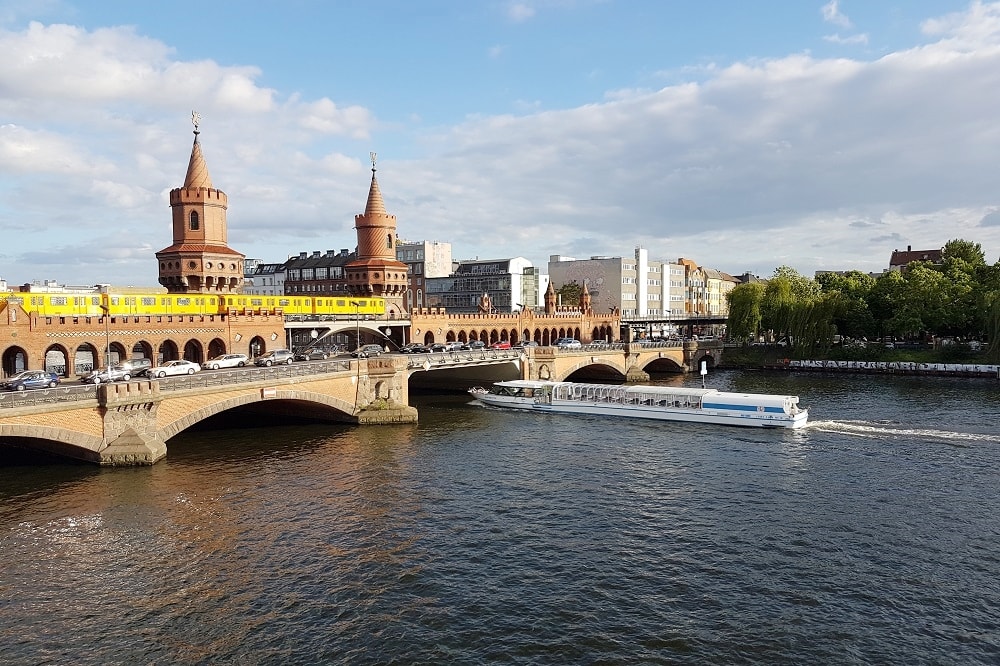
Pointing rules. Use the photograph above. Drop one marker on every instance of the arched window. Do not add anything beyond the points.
(388, 241)
(194, 220)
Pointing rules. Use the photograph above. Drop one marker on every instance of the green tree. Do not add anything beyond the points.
(967, 251)
(744, 311)
(570, 293)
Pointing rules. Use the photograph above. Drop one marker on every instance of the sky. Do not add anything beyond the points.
(741, 135)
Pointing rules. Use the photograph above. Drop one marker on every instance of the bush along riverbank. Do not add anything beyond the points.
(941, 362)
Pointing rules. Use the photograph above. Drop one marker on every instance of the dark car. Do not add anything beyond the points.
(114, 373)
(314, 354)
(274, 357)
(438, 347)
(367, 350)
(31, 379)
(477, 344)
(414, 348)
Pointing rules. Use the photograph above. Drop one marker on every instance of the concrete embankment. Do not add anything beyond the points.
(890, 368)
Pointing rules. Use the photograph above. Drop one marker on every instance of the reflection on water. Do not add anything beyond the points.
(483, 536)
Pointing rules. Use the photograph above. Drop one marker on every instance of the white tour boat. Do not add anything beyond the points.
(666, 403)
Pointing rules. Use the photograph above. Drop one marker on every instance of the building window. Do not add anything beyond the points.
(194, 220)
(388, 241)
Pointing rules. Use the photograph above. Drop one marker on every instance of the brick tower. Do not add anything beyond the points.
(199, 260)
(376, 271)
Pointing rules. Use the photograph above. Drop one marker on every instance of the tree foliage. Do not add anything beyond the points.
(569, 293)
(958, 297)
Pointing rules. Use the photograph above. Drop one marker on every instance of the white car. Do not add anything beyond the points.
(180, 367)
(567, 343)
(226, 361)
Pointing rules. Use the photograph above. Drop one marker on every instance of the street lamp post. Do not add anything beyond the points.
(357, 325)
(107, 336)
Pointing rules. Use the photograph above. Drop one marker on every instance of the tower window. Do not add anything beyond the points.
(194, 220)
(388, 241)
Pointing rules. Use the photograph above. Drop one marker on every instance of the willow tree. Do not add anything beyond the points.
(744, 311)
(776, 306)
(993, 329)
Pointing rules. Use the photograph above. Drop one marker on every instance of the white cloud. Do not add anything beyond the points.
(832, 14)
(518, 12)
(814, 163)
(860, 38)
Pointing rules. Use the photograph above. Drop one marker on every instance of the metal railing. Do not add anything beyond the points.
(66, 393)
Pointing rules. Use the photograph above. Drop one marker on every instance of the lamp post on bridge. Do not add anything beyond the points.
(357, 326)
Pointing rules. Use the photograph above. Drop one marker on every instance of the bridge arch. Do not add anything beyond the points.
(142, 349)
(86, 357)
(216, 347)
(304, 404)
(595, 368)
(193, 351)
(56, 359)
(167, 352)
(257, 346)
(15, 359)
(48, 439)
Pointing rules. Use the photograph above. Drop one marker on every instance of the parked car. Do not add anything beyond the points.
(526, 343)
(367, 350)
(501, 344)
(314, 354)
(455, 346)
(439, 347)
(477, 344)
(226, 361)
(137, 366)
(567, 343)
(414, 348)
(178, 367)
(113, 373)
(274, 357)
(31, 379)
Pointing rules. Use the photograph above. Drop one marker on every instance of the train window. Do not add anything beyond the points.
(58, 300)
(95, 300)
(283, 302)
(146, 300)
(341, 302)
(183, 301)
(130, 300)
(256, 302)
(114, 300)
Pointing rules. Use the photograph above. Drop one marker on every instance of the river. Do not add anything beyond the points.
(480, 536)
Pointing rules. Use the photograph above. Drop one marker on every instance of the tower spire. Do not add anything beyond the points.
(197, 173)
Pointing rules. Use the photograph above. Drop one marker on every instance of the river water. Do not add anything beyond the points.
(481, 536)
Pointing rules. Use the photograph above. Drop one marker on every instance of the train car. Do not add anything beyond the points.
(348, 305)
(259, 304)
(162, 304)
(62, 304)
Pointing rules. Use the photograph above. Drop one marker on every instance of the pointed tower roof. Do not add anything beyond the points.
(197, 173)
(375, 205)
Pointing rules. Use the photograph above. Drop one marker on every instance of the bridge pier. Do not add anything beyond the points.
(130, 429)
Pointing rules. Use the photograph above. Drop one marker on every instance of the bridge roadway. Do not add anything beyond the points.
(130, 423)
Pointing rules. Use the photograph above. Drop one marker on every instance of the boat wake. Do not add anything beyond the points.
(880, 429)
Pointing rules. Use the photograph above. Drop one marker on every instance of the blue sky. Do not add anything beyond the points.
(741, 135)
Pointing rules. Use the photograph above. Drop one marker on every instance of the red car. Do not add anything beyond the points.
(503, 344)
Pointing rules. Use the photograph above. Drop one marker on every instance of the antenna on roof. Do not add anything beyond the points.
(373, 161)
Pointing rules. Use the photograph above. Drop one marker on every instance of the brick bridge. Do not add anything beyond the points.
(130, 423)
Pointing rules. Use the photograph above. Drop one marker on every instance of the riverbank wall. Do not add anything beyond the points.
(889, 368)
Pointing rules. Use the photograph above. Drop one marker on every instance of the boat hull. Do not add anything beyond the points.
(712, 407)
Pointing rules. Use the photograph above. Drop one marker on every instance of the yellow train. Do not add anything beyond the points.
(70, 304)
